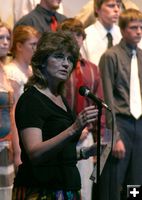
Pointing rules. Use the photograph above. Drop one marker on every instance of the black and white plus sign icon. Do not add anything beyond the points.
(134, 192)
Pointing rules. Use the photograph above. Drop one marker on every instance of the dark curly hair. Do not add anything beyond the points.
(49, 43)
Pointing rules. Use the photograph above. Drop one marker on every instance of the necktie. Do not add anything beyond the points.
(110, 38)
(135, 92)
(54, 23)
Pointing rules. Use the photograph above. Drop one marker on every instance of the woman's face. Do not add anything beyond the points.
(4, 41)
(27, 48)
(59, 66)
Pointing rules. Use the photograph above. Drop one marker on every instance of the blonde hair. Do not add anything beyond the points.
(3, 24)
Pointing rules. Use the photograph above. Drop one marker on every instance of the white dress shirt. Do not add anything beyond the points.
(96, 41)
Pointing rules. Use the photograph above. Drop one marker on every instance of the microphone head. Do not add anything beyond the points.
(84, 91)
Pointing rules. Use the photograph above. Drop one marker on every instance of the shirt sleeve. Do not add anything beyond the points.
(108, 72)
(29, 112)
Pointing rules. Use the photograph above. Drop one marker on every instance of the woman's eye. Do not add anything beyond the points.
(70, 58)
(60, 56)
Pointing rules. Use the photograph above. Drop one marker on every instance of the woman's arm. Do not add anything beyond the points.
(38, 150)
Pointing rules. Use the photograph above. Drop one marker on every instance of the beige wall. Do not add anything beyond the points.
(138, 3)
(72, 7)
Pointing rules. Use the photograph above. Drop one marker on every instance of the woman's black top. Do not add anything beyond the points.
(58, 170)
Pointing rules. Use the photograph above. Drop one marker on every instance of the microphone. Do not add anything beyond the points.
(84, 91)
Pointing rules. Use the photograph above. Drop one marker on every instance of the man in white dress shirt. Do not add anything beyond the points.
(96, 42)
(86, 14)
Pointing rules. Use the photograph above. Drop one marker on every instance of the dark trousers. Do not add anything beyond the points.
(117, 174)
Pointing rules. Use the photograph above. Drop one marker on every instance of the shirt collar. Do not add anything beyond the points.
(102, 30)
(45, 12)
(127, 47)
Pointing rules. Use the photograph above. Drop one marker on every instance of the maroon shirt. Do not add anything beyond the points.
(88, 76)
